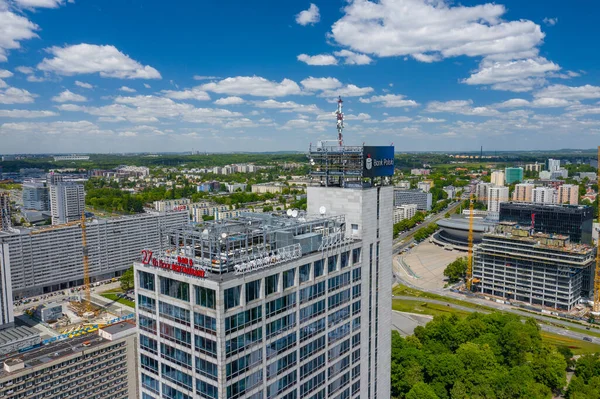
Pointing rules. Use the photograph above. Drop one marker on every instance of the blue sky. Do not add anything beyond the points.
(144, 75)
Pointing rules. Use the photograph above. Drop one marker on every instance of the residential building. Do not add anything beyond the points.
(313, 320)
(572, 220)
(36, 196)
(424, 186)
(233, 187)
(170, 205)
(592, 176)
(497, 178)
(208, 210)
(420, 172)
(50, 259)
(402, 212)
(5, 214)
(450, 191)
(102, 366)
(421, 199)
(513, 175)
(54, 178)
(553, 165)
(545, 175)
(496, 196)
(67, 202)
(482, 191)
(523, 192)
(534, 167)
(209, 187)
(539, 269)
(544, 195)
(560, 173)
(7, 316)
(403, 184)
(263, 188)
(568, 194)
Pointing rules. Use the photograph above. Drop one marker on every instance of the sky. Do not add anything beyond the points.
(112, 76)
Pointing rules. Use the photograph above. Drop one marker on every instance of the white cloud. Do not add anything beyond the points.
(68, 96)
(516, 75)
(83, 84)
(289, 106)
(314, 84)
(190, 94)
(253, 86)
(12, 95)
(13, 29)
(5, 74)
(360, 117)
(430, 120)
(545, 102)
(318, 60)
(127, 89)
(570, 92)
(230, 101)
(24, 113)
(352, 58)
(433, 29)
(397, 119)
(89, 58)
(202, 77)
(390, 101)
(310, 16)
(347, 91)
(35, 79)
(39, 3)
(463, 107)
(76, 129)
(550, 21)
(147, 86)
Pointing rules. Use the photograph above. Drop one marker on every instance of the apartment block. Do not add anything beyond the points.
(497, 178)
(67, 202)
(523, 192)
(5, 213)
(568, 194)
(421, 199)
(496, 196)
(402, 212)
(544, 195)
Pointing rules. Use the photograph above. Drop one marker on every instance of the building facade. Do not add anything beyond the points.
(67, 202)
(403, 184)
(543, 270)
(313, 324)
(568, 194)
(402, 212)
(424, 186)
(418, 197)
(574, 221)
(513, 175)
(544, 195)
(496, 196)
(534, 167)
(497, 178)
(7, 317)
(36, 196)
(523, 192)
(51, 259)
(553, 164)
(5, 214)
(263, 188)
(99, 367)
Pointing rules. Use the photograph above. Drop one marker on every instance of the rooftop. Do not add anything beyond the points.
(16, 334)
(119, 327)
(555, 242)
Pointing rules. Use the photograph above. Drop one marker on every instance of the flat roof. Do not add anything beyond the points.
(119, 327)
(13, 334)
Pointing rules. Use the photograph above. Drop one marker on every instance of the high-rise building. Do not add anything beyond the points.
(482, 191)
(497, 178)
(523, 192)
(553, 164)
(534, 167)
(568, 194)
(402, 212)
(544, 195)
(513, 175)
(496, 196)
(67, 202)
(54, 178)
(540, 269)
(572, 220)
(7, 316)
(86, 367)
(51, 258)
(298, 308)
(36, 196)
(421, 199)
(5, 214)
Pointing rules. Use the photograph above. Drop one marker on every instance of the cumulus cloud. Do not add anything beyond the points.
(310, 16)
(83, 85)
(76, 128)
(12, 95)
(318, 60)
(127, 89)
(462, 107)
(24, 113)
(289, 106)
(13, 29)
(5, 74)
(397, 119)
(202, 77)
(31, 4)
(431, 30)
(147, 86)
(352, 58)
(253, 86)
(545, 102)
(347, 91)
(68, 96)
(314, 84)
(515, 75)
(106, 60)
(390, 101)
(234, 100)
(190, 94)
(550, 21)
(570, 92)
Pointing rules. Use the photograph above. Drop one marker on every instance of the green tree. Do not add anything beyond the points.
(456, 270)
(127, 280)
(421, 391)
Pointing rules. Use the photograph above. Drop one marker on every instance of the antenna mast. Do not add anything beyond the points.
(340, 121)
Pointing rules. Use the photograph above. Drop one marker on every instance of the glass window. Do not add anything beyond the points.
(318, 265)
(252, 290)
(232, 297)
(205, 345)
(281, 385)
(244, 363)
(146, 303)
(149, 364)
(175, 289)
(240, 387)
(172, 393)
(207, 369)
(176, 335)
(176, 356)
(205, 323)
(345, 259)
(282, 324)
(146, 280)
(148, 344)
(243, 319)
(288, 278)
(356, 274)
(240, 343)
(312, 292)
(147, 324)
(174, 313)
(271, 283)
(280, 305)
(281, 365)
(304, 273)
(205, 297)
(206, 390)
(281, 345)
(355, 255)
(331, 264)
(149, 383)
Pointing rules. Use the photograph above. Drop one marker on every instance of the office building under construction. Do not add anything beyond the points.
(542, 270)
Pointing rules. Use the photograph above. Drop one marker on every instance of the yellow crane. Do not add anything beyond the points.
(596, 306)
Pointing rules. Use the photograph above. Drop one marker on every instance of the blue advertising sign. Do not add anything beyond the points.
(378, 161)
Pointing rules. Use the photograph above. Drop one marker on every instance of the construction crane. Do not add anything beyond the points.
(596, 307)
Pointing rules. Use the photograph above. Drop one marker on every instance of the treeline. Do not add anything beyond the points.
(494, 356)
(408, 224)
(425, 232)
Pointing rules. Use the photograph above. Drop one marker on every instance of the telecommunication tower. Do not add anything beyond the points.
(340, 121)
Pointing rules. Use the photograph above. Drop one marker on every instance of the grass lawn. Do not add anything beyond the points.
(113, 297)
(403, 290)
(431, 309)
(578, 347)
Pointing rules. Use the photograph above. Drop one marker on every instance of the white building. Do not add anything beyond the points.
(523, 192)
(496, 195)
(233, 187)
(67, 202)
(7, 317)
(424, 186)
(312, 322)
(402, 212)
(544, 195)
(497, 178)
(450, 191)
(482, 191)
(553, 165)
(170, 205)
(36, 196)
(263, 188)
(71, 158)
(403, 184)
(5, 214)
(568, 194)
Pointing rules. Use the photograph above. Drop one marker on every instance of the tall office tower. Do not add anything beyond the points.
(574, 221)
(497, 178)
(54, 178)
(270, 306)
(553, 165)
(36, 196)
(5, 221)
(544, 195)
(67, 202)
(496, 195)
(513, 175)
(102, 366)
(536, 268)
(523, 192)
(568, 194)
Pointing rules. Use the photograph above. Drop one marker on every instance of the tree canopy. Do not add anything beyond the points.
(456, 270)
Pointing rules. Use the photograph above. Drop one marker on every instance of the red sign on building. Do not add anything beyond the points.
(181, 264)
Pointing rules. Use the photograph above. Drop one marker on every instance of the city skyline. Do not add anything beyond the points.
(128, 76)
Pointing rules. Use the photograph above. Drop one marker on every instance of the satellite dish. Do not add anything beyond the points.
(294, 213)
(322, 210)
(224, 235)
(289, 212)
